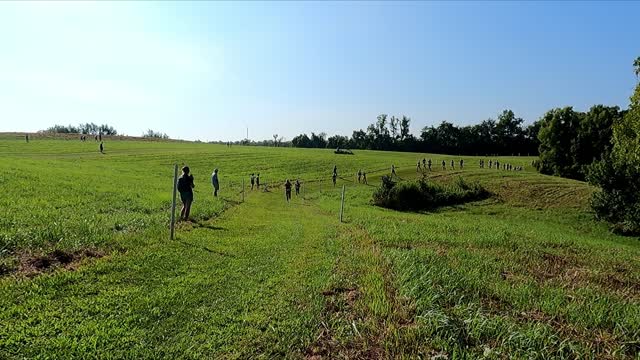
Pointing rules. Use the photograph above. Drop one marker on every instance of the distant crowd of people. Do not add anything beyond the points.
(495, 164)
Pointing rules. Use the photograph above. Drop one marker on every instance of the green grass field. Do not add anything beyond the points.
(88, 270)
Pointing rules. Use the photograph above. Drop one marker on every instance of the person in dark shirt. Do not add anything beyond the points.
(287, 190)
(333, 178)
(253, 180)
(258, 181)
(101, 148)
(297, 185)
(185, 187)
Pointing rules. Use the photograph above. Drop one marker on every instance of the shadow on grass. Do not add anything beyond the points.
(198, 247)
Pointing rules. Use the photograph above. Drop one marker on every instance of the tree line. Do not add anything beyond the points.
(505, 135)
(94, 129)
(86, 129)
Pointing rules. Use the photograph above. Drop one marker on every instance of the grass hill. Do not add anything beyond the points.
(88, 267)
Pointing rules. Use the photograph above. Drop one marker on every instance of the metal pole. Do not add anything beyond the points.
(342, 204)
(173, 202)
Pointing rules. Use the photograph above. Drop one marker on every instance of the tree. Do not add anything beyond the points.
(276, 140)
(404, 128)
(618, 173)
(301, 141)
(594, 135)
(558, 133)
(155, 134)
(337, 141)
(394, 124)
(508, 131)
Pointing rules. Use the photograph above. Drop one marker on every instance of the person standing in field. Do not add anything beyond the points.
(359, 176)
(335, 170)
(101, 148)
(424, 163)
(452, 165)
(253, 180)
(258, 181)
(429, 163)
(364, 177)
(287, 190)
(461, 163)
(393, 170)
(26, 138)
(100, 137)
(297, 184)
(333, 178)
(418, 166)
(444, 165)
(215, 182)
(185, 187)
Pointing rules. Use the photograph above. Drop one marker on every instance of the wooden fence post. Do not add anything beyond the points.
(342, 204)
(173, 202)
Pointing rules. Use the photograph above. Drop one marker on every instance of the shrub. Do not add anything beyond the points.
(424, 195)
(618, 200)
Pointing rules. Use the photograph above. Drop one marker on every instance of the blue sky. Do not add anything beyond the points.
(208, 70)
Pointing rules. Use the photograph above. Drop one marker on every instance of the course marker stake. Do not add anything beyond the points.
(173, 202)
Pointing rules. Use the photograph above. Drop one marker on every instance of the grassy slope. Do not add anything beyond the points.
(526, 272)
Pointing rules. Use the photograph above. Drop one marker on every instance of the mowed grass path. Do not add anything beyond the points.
(524, 274)
(247, 283)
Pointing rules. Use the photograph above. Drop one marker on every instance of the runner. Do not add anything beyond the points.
(215, 182)
(287, 190)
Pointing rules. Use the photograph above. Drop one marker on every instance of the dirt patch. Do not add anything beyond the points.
(339, 307)
(31, 264)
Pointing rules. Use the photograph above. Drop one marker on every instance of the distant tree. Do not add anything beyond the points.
(338, 141)
(558, 134)
(155, 134)
(301, 141)
(105, 129)
(404, 127)
(509, 132)
(394, 124)
(276, 140)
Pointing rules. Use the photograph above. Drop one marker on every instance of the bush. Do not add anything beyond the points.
(618, 200)
(423, 195)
